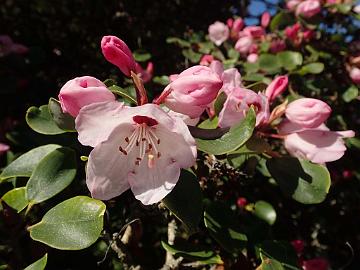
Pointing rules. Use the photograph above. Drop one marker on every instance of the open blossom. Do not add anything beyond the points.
(193, 90)
(308, 112)
(238, 102)
(218, 32)
(318, 145)
(118, 53)
(82, 91)
(276, 87)
(355, 75)
(136, 150)
(308, 8)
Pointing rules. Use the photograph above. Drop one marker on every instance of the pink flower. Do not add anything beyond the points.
(355, 75)
(118, 53)
(308, 8)
(265, 19)
(218, 32)
(137, 152)
(4, 148)
(193, 90)
(252, 58)
(187, 119)
(291, 5)
(318, 145)
(276, 87)
(308, 112)
(238, 25)
(206, 59)
(298, 246)
(277, 45)
(82, 91)
(231, 78)
(292, 31)
(243, 45)
(147, 74)
(238, 103)
(315, 264)
(308, 34)
(254, 31)
(357, 9)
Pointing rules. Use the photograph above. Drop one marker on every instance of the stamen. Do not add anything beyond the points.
(151, 161)
(122, 150)
(127, 139)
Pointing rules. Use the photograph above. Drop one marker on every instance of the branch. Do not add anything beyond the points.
(170, 261)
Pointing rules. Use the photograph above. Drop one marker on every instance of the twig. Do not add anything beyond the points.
(170, 261)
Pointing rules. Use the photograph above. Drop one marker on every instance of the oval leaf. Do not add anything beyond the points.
(39, 264)
(265, 211)
(41, 121)
(304, 181)
(63, 120)
(232, 140)
(290, 60)
(16, 199)
(54, 173)
(24, 165)
(185, 201)
(278, 255)
(71, 225)
(269, 63)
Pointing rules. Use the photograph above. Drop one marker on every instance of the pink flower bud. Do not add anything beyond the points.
(355, 75)
(238, 25)
(4, 148)
(193, 90)
(265, 19)
(254, 31)
(298, 246)
(316, 264)
(308, 34)
(243, 45)
(241, 202)
(291, 5)
(308, 8)
(218, 32)
(82, 91)
(308, 112)
(206, 59)
(277, 46)
(252, 58)
(276, 87)
(292, 31)
(118, 53)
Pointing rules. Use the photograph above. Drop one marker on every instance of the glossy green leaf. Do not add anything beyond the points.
(304, 181)
(269, 63)
(16, 199)
(71, 225)
(54, 173)
(350, 94)
(26, 163)
(141, 56)
(122, 93)
(39, 264)
(209, 123)
(41, 121)
(63, 120)
(194, 57)
(223, 226)
(265, 211)
(182, 43)
(162, 80)
(290, 60)
(219, 102)
(313, 68)
(278, 255)
(201, 255)
(185, 201)
(281, 20)
(232, 140)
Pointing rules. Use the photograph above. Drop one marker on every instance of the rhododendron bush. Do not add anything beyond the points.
(214, 165)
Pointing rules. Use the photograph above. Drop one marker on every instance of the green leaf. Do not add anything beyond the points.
(122, 93)
(265, 211)
(251, 67)
(290, 60)
(53, 173)
(270, 264)
(39, 264)
(304, 181)
(222, 225)
(278, 255)
(63, 120)
(182, 43)
(281, 20)
(16, 199)
(162, 80)
(350, 94)
(313, 68)
(209, 123)
(269, 63)
(219, 102)
(141, 56)
(24, 165)
(194, 57)
(232, 140)
(71, 225)
(41, 121)
(203, 256)
(185, 201)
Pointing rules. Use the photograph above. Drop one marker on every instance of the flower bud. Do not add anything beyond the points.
(206, 59)
(355, 75)
(193, 90)
(308, 8)
(218, 33)
(276, 87)
(118, 53)
(252, 58)
(308, 112)
(82, 91)
(265, 19)
(277, 45)
(4, 148)
(291, 5)
(237, 25)
(243, 45)
(254, 31)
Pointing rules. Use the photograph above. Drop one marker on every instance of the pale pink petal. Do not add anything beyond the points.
(96, 121)
(4, 148)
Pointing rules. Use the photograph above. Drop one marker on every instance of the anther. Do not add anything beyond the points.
(127, 139)
(158, 154)
(122, 150)
(137, 162)
(158, 141)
